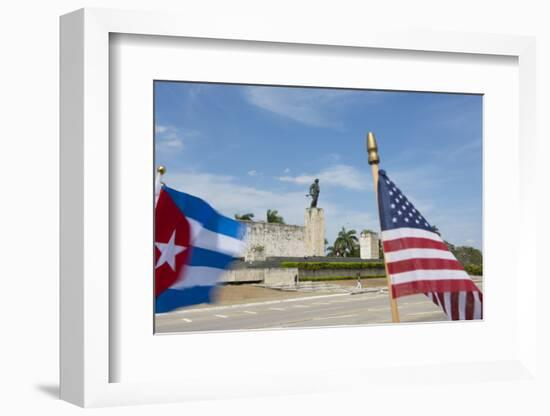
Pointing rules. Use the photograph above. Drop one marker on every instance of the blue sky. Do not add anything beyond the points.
(250, 148)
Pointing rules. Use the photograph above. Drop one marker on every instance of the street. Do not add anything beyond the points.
(306, 311)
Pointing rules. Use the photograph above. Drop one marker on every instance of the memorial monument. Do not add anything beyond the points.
(368, 243)
(314, 193)
(314, 224)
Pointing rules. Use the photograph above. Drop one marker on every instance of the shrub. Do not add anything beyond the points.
(332, 278)
(475, 269)
(314, 265)
(258, 248)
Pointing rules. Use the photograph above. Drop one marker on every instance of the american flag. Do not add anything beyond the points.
(419, 261)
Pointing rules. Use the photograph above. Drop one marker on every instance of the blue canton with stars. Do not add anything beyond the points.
(396, 211)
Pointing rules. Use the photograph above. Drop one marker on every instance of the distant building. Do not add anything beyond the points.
(369, 245)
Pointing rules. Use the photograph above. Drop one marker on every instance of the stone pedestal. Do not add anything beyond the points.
(315, 232)
(368, 244)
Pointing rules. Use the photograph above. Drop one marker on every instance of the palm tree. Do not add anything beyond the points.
(346, 244)
(272, 216)
(244, 217)
(436, 230)
(332, 252)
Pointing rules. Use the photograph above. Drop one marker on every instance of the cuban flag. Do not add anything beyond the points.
(419, 261)
(194, 244)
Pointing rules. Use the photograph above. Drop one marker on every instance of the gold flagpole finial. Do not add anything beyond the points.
(161, 170)
(372, 149)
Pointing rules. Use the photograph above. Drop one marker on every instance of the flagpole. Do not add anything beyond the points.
(374, 160)
(161, 170)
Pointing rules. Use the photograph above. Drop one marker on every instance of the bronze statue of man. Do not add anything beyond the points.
(314, 193)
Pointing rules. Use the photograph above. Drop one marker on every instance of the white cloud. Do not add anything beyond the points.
(333, 157)
(424, 179)
(338, 175)
(173, 144)
(472, 148)
(467, 150)
(313, 107)
(230, 197)
(226, 195)
(287, 170)
(252, 173)
(351, 220)
(171, 138)
(316, 107)
(459, 226)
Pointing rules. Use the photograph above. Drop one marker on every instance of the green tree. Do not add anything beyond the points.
(331, 251)
(273, 216)
(346, 244)
(470, 257)
(450, 246)
(244, 217)
(467, 255)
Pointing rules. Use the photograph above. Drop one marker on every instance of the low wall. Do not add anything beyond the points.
(269, 276)
(243, 275)
(280, 276)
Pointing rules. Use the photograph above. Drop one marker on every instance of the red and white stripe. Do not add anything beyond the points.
(419, 261)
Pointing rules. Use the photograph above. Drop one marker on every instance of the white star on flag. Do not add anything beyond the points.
(168, 252)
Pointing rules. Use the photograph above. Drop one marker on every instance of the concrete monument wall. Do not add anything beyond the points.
(368, 244)
(315, 232)
(265, 239)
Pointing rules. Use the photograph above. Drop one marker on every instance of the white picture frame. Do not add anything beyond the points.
(87, 332)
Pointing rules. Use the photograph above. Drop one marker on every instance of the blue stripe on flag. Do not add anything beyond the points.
(202, 212)
(171, 298)
(209, 258)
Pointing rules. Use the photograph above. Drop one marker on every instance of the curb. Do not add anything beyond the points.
(373, 290)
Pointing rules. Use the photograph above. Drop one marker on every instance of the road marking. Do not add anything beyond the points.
(423, 313)
(221, 316)
(378, 309)
(187, 320)
(245, 305)
(276, 309)
(321, 303)
(334, 317)
(251, 312)
(300, 306)
(426, 302)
